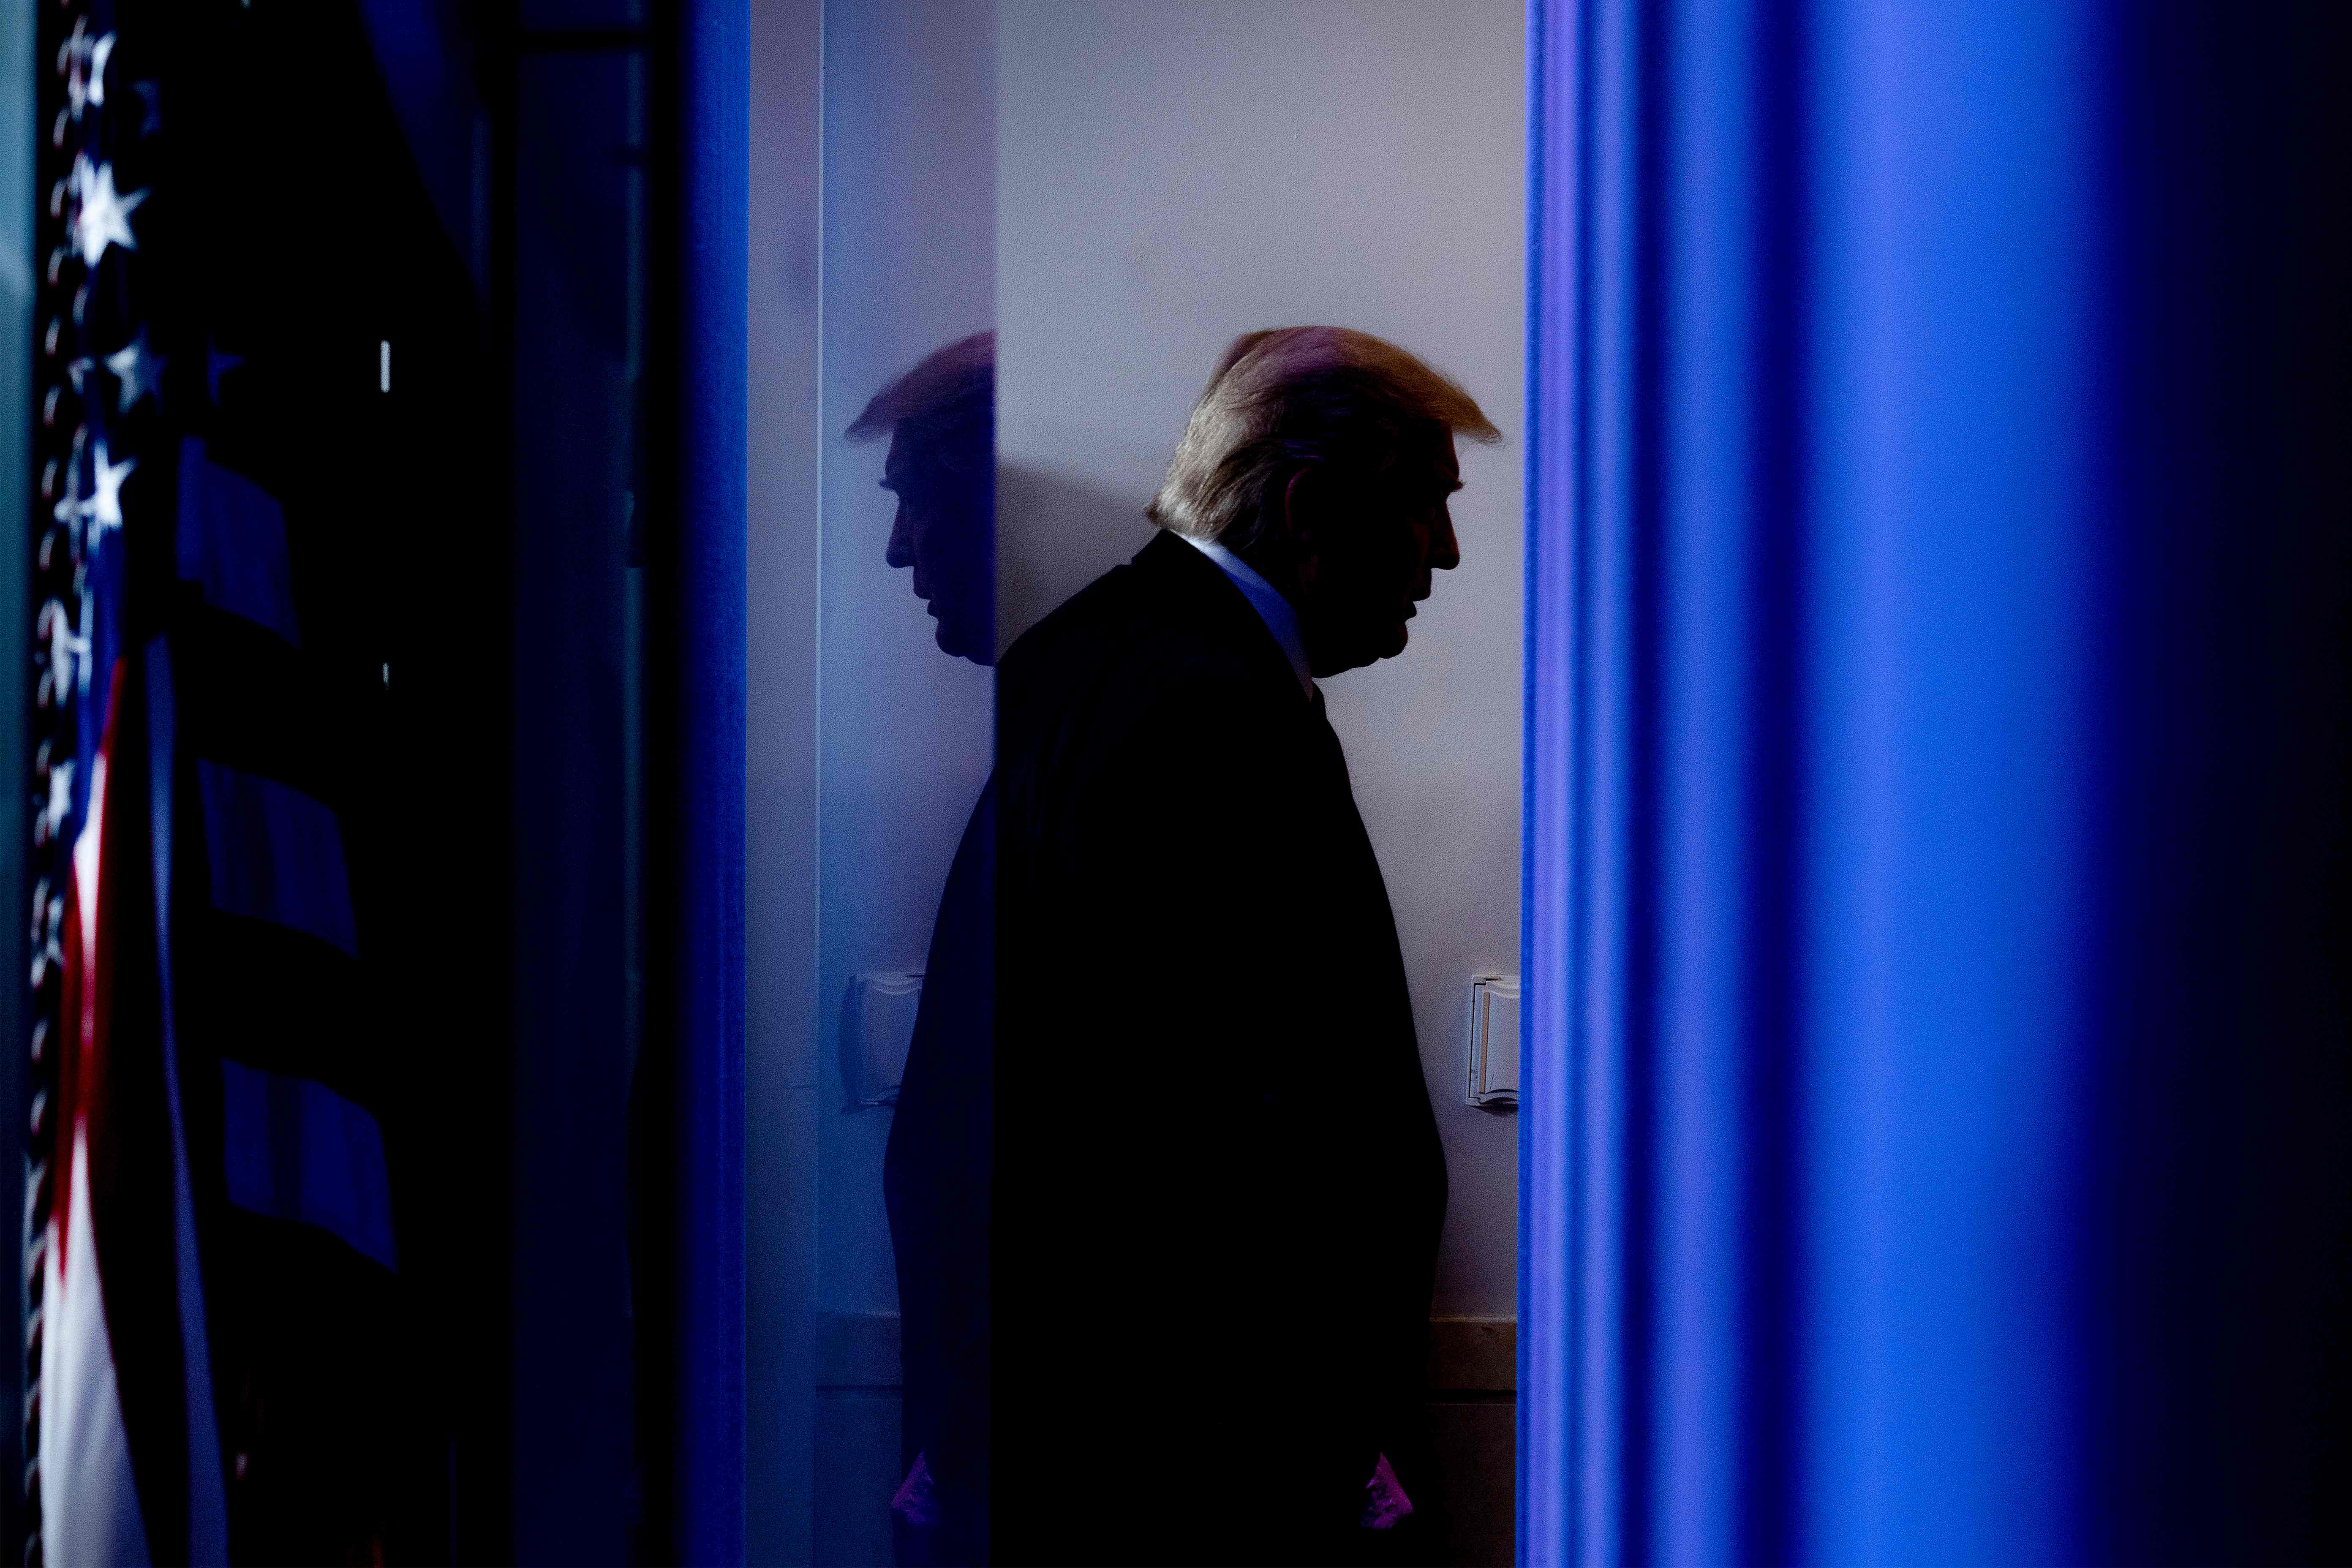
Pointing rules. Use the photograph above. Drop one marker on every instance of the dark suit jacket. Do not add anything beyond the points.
(1191, 1206)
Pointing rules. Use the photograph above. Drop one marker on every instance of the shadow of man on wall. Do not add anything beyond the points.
(940, 418)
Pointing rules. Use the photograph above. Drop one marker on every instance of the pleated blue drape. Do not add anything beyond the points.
(714, 131)
(1935, 1136)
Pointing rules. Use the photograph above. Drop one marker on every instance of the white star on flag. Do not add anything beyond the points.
(104, 507)
(66, 650)
(101, 217)
(77, 67)
(60, 793)
(98, 55)
(68, 508)
(140, 373)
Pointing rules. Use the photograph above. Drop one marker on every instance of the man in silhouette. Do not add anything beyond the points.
(1203, 1155)
(941, 417)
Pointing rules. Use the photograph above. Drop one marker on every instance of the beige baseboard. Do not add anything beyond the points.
(1474, 1356)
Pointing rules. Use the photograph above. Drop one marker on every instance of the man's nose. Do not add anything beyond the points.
(1444, 550)
(900, 552)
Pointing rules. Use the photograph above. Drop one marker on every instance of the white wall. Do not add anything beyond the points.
(1173, 172)
(873, 213)
(780, 796)
(906, 733)
(1164, 174)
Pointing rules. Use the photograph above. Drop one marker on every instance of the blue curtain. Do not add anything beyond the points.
(714, 131)
(1938, 1141)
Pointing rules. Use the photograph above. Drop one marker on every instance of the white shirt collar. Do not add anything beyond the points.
(1266, 600)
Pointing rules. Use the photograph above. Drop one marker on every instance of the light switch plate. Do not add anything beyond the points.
(880, 1026)
(1495, 1042)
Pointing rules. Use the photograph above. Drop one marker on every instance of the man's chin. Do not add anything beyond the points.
(965, 642)
(1369, 649)
(1386, 643)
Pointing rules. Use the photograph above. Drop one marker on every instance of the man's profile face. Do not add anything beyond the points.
(946, 530)
(1375, 553)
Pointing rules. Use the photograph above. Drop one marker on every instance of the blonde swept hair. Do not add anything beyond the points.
(1290, 395)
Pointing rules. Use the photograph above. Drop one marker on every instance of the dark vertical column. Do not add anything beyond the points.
(653, 1102)
(572, 421)
(2216, 1170)
(482, 1474)
(712, 108)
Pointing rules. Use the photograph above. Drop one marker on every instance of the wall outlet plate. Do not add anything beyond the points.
(880, 1028)
(1495, 1042)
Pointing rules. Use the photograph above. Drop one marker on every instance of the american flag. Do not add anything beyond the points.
(179, 1171)
(115, 1330)
(266, 924)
